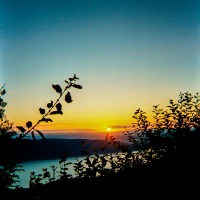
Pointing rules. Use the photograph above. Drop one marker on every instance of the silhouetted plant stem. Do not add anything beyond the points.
(51, 106)
(50, 109)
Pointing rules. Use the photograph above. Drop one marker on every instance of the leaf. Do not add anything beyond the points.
(60, 112)
(46, 120)
(3, 92)
(42, 111)
(68, 98)
(41, 134)
(74, 78)
(3, 104)
(49, 105)
(29, 124)
(57, 88)
(46, 174)
(37, 180)
(21, 128)
(77, 86)
(56, 112)
(59, 106)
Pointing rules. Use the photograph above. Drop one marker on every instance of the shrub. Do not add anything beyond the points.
(8, 167)
(170, 142)
(10, 140)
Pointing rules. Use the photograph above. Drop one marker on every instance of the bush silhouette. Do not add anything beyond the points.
(167, 149)
(10, 140)
(8, 166)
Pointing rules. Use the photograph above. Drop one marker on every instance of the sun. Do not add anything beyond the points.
(108, 129)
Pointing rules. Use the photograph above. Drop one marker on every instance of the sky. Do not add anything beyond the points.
(127, 54)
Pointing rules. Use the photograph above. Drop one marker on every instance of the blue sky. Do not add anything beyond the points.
(127, 54)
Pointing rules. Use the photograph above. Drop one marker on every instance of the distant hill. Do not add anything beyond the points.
(54, 148)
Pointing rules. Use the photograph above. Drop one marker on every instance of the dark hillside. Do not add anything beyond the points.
(54, 148)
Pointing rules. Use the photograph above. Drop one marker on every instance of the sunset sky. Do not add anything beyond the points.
(128, 54)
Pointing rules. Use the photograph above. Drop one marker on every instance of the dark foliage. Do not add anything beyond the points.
(166, 162)
(167, 159)
(11, 140)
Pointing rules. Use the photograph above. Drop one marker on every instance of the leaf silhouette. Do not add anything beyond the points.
(46, 120)
(57, 88)
(60, 112)
(3, 92)
(77, 86)
(59, 106)
(46, 174)
(49, 105)
(41, 134)
(56, 112)
(29, 124)
(21, 128)
(74, 78)
(3, 104)
(68, 98)
(42, 111)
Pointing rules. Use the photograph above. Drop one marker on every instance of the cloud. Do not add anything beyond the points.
(120, 126)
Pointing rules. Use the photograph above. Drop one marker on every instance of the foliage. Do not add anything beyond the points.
(171, 128)
(170, 142)
(58, 173)
(8, 167)
(9, 143)
(53, 108)
(6, 131)
(8, 176)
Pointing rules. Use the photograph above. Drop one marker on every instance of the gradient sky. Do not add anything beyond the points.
(128, 54)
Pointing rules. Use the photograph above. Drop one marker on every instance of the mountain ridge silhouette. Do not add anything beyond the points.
(54, 148)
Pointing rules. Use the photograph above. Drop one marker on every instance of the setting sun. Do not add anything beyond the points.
(108, 129)
(95, 94)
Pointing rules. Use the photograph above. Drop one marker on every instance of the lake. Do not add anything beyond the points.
(37, 166)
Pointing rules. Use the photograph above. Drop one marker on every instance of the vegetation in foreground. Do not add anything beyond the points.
(167, 159)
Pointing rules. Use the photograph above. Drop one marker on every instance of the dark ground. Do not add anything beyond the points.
(138, 185)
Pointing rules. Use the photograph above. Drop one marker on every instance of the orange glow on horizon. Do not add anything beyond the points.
(89, 128)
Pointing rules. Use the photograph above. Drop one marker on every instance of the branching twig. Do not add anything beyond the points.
(50, 106)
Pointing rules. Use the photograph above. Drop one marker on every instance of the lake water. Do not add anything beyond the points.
(37, 166)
